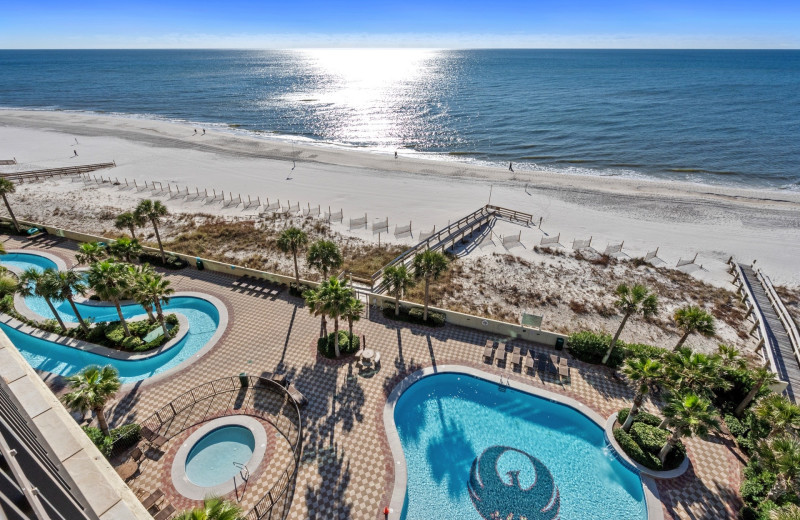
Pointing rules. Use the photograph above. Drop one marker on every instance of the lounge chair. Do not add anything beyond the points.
(516, 356)
(295, 394)
(153, 499)
(553, 366)
(530, 361)
(500, 353)
(165, 513)
(563, 372)
(488, 351)
(153, 438)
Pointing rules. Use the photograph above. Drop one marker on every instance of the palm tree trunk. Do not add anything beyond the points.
(149, 309)
(56, 314)
(336, 336)
(616, 337)
(296, 271)
(323, 327)
(425, 314)
(77, 314)
(637, 402)
(662, 455)
(160, 314)
(133, 231)
(748, 398)
(122, 318)
(160, 247)
(13, 218)
(682, 340)
(350, 325)
(101, 420)
(397, 304)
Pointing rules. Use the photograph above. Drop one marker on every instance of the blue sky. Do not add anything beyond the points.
(413, 23)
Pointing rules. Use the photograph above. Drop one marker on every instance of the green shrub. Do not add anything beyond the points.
(7, 303)
(296, 290)
(590, 347)
(635, 452)
(103, 443)
(8, 284)
(327, 347)
(127, 433)
(131, 343)
(154, 259)
(414, 315)
(734, 425)
(649, 438)
(642, 350)
(641, 417)
(171, 319)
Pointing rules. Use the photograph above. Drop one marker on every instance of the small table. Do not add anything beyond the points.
(127, 469)
(367, 355)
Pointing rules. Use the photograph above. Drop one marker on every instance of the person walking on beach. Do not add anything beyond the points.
(204, 131)
(395, 154)
(195, 131)
(75, 152)
(511, 167)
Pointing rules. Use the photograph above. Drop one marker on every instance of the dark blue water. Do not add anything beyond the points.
(729, 117)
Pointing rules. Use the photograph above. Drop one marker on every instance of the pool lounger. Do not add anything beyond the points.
(500, 353)
(165, 513)
(488, 351)
(530, 361)
(296, 395)
(153, 499)
(516, 356)
(153, 438)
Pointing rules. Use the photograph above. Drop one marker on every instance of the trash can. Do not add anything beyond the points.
(559, 343)
(244, 380)
(199, 263)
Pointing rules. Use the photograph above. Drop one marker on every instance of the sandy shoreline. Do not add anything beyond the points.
(681, 219)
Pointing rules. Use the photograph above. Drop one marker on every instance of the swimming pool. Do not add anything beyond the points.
(219, 455)
(202, 315)
(473, 448)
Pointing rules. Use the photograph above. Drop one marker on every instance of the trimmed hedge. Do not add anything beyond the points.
(127, 434)
(414, 315)
(154, 259)
(641, 417)
(645, 441)
(327, 346)
(650, 438)
(590, 347)
(634, 451)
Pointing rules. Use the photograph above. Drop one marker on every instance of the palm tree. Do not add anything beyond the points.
(67, 285)
(159, 291)
(213, 509)
(153, 211)
(315, 307)
(334, 297)
(785, 512)
(429, 265)
(141, 276)
(129, 220)
(399, 280)
(6, 188)
(353, 312)
(693, 319)
(782, 415)
(632, 300)
(762, 375)
(92, 388)
(89, 253)
(110, 282)
(644, 373)
(687, 415)
(695, 372)
(41, 283)
(291, 241)
(731, 357)
(125, 248)
(781, 457)
(324, 255)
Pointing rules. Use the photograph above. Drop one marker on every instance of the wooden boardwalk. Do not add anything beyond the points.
(776, 338)
(35, 175)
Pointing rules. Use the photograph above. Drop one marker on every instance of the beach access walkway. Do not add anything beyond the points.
(778, 331)
(35, 175)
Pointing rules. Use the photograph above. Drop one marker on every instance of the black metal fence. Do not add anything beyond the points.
(261, 397)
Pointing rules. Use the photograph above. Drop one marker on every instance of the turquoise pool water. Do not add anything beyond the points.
(45, 355)
(466, 440)
(26, 260)
(214, 458)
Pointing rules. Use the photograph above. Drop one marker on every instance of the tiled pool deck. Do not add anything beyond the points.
(347, 468)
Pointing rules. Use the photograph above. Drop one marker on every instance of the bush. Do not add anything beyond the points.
(414, 315)
(327, 347)
(590, 347)
(126, 435)
(296, 290)
(641, 417)
(7, 303)
(154, 259)
(642, 350)
(635, 452)
(8, 284)
(103, 443)
(649, 438)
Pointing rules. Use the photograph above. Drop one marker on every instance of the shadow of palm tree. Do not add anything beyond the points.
(450, 456)
(329, 500)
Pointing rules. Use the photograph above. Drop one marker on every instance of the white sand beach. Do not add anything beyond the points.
(680, 219)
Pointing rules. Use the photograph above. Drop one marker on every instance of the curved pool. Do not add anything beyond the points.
(477, 450)
(219, 455)
(202, 315)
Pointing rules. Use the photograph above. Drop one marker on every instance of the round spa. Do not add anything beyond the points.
(219, 456)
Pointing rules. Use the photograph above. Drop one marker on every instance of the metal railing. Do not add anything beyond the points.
(261, 397)
(782, 312)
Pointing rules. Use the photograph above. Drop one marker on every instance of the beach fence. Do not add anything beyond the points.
(252, 203)
(402, 230)
(231, 202)
(682, 262)
(581, 244)
(179, 194)
(272, 206)
(425, 235)
(196, 195)
(357, 223)
(549, 241)
(381, 226)
(7, 162)
(487, 241)
(312, 212)
(612, 249)
(337, 216)
(652, 255)
(510, 241)
(293, 209)
(216, 197)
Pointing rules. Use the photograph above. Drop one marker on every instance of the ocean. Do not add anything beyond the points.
(716, 117)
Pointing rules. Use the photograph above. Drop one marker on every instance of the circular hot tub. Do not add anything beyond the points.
(218, 457)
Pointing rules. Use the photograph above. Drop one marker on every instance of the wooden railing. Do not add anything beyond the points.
(782, 312)
(56, 172)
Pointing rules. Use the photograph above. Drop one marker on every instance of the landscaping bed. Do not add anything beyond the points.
(645, 439)
(414, 315)
(326, 346)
